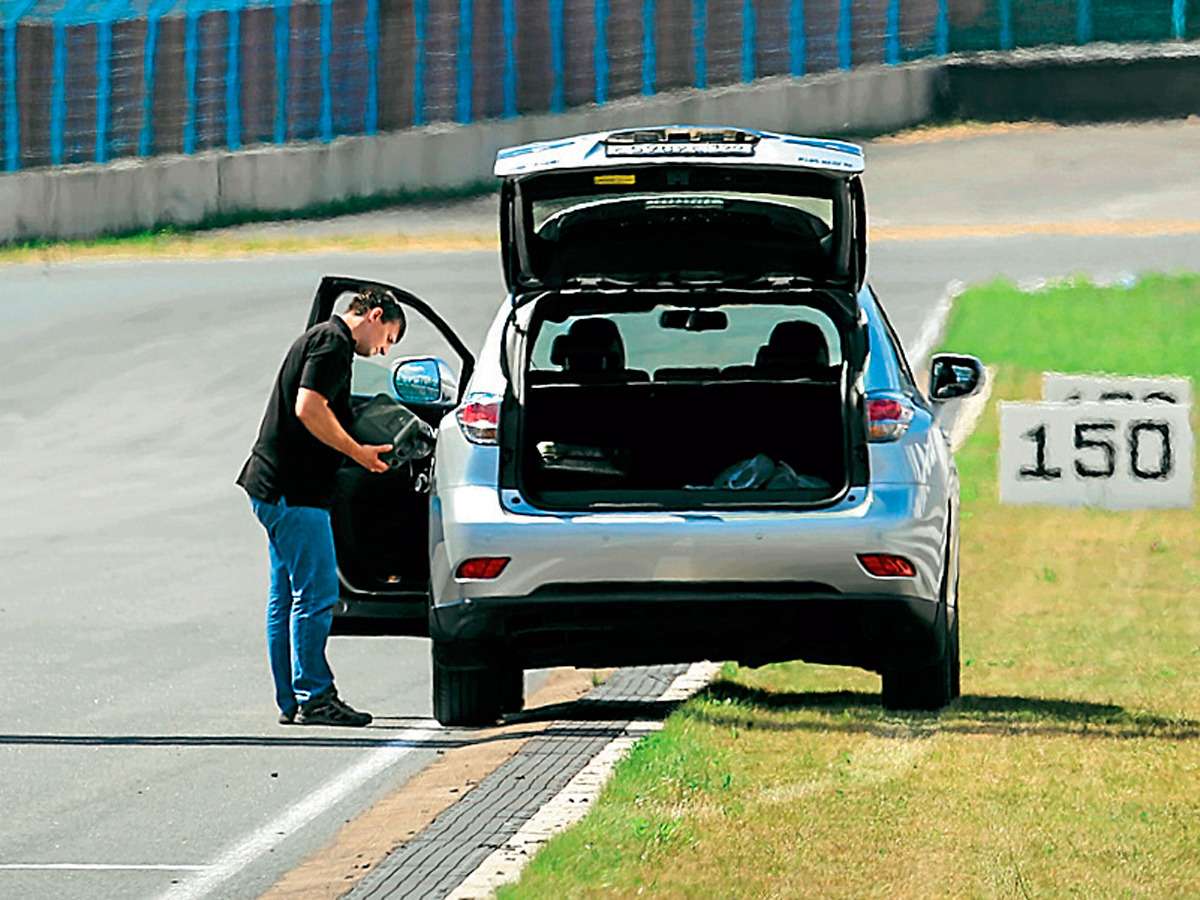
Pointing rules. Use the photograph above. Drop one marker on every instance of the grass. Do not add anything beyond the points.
(1070, 766)
(196, 240)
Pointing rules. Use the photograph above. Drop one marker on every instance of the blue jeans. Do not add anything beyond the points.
(304, 588)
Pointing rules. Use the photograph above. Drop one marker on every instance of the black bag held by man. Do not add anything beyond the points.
(382, 420)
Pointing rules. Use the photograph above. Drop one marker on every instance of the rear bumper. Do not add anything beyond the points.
(617, 625)
(698, 547)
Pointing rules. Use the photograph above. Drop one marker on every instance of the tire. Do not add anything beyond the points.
(953, 645)
(512, 690)
(464, 696)
(952, 650)
(930, 687)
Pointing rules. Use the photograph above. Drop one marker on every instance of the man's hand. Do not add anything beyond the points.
(313, 411)
(367, 456)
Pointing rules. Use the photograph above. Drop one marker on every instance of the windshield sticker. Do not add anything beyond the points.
(614, 179)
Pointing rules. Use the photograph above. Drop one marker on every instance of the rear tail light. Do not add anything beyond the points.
(887, 418)
(482, 567)
(886, 565)
(479, 418)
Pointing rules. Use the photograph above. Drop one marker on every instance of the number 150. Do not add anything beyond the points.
(1097, 456)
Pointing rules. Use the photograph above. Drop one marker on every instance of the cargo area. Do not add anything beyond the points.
(612, 418)
(670, 444)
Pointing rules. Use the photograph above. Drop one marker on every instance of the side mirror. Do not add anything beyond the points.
(953, 376)
(424, 381)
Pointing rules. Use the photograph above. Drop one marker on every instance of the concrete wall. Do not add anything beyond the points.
(89, 200)
(1092, 84)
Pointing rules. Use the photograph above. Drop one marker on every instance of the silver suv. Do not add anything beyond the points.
(691, 433)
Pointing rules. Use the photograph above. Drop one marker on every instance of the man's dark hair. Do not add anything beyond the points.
(369, 298)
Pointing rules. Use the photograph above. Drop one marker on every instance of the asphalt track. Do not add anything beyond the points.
(137, 735)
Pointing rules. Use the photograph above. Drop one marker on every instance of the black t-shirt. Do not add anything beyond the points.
(287, 461)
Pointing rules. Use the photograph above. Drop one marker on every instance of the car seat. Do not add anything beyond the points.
(795, 349)
(592, 351)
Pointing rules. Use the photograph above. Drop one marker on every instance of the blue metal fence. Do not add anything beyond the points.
(95, 80)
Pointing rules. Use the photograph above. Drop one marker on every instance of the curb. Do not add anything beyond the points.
(518, 798)
(573, 802)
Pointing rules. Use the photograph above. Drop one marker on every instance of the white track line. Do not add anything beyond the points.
(275, 832)
(569, 805)
(931, 330)
(95, 867)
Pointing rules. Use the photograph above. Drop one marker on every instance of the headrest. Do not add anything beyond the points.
(795, 344)
(590, 345)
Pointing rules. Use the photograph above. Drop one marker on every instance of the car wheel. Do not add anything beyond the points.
(512, 690)
(952, 650)
(927, 688)
(933, 686)
(464, 696)
(952, 635)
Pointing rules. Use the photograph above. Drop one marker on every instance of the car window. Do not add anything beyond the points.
(649, 346)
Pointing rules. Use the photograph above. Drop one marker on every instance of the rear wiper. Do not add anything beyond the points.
(748, 280)
(652, 279)
(602, 281)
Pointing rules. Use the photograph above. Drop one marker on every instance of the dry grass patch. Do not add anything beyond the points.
(958, 131)
(198, 245)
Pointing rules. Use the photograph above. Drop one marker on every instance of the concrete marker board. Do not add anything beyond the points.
(1061, 388)
(1109, 455)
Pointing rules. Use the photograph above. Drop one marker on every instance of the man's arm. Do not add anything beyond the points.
(312, 409)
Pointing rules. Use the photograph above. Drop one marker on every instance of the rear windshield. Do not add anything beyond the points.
(550, 215)
(654, 344)
(686, 224)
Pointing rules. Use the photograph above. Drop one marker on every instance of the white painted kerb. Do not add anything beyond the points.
(573, 801)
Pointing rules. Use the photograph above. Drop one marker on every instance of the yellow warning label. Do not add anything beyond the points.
(614, 179)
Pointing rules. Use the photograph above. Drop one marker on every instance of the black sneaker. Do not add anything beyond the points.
(287, 718)
(329, 709)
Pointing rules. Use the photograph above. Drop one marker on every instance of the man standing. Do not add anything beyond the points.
(290, 479)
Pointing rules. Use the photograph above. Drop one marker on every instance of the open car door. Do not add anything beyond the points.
(381, 522)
